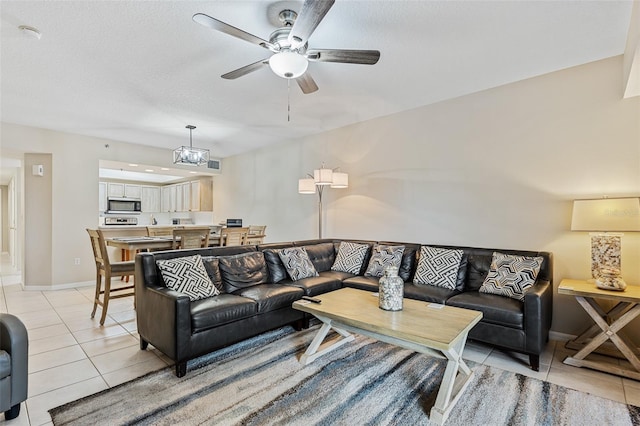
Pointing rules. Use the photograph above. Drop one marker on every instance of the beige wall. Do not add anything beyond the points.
(498, 168)
(4, 216)
(38, 216)
(74, 196)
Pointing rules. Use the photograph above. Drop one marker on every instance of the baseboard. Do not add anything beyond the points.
(562, 337)
(58, 286)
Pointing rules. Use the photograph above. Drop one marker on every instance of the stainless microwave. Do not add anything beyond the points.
(124, 205)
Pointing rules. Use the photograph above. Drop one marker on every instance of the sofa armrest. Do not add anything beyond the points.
(15, 341)
(164, 320)
(538, 311)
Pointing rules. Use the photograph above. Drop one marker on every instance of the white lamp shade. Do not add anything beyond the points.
(606, 215)
(340, 180)
(288, 64)
(323, 176)
(306, 186)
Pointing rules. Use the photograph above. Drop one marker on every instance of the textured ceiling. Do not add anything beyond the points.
(139, 71)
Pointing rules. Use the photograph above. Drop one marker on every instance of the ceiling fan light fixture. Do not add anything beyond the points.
(288, 64)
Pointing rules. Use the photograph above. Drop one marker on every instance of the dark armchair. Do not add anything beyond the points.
(14, 352)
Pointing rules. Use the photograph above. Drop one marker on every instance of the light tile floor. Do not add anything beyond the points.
(71, 356)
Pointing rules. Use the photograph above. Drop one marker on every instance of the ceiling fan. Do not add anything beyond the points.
(289, 45)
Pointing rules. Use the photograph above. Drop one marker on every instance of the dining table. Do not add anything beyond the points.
(134, 244)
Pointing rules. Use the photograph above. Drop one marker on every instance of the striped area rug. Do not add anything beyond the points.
(260, 382)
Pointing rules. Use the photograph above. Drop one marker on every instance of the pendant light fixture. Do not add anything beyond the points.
(188, 154)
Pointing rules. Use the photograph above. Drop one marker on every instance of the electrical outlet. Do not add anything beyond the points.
(76, 261)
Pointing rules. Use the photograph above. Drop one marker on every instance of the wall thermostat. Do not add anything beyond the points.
(37, 170)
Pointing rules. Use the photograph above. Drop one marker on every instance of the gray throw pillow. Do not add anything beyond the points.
(350, 257)
(383, 256)
(438, 267)
(297, 263)
(187, 275)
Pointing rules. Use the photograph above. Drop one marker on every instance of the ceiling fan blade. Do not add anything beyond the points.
(306, 83)
(312, 12)
(232, 75)
(214, 24)
(366, 57)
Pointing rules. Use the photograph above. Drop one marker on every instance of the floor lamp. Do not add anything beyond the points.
(316, 182)
(606, 219)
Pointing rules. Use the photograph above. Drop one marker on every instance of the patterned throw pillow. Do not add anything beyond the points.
(350, 257)
(382, 257)
(297, 263)
(511, 275)
(438, 267)
(187, 275)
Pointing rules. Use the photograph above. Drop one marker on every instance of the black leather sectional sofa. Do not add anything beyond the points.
(257, 296)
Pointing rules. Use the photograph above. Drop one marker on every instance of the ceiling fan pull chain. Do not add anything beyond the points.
(288, 100)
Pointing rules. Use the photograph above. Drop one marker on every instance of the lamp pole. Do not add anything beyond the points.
(320, 188)
(317, 181)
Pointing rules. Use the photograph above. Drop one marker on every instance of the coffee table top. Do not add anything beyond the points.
(432, 325)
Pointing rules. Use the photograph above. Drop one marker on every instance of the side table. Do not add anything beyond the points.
(608, 326)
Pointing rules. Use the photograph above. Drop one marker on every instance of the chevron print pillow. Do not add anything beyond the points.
(438, 267)
(382, 257)
(350, 257)
(297, 263)
(511, 275)
(187, 275)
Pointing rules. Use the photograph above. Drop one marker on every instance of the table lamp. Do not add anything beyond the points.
(606, 219)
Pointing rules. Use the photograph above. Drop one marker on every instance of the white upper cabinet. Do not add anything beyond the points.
(150, 199)
(102, 196)
(124, 190)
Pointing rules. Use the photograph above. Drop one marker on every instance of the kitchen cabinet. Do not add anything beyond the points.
(102, 196)
(201, 195)
(192, 196)
(166, 198)
(124, 190)
(150, 199)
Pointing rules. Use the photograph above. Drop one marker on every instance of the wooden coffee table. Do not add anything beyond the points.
(428, 328)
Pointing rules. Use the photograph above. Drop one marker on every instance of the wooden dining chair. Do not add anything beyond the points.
(108, 269)
(191, 237)
(160, 231)
(256, 234)
(233, 236)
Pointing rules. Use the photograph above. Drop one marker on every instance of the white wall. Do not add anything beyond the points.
(498, 168)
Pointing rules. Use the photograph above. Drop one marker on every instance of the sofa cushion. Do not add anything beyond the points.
(478, 265)
(438, 267)
(428, 293)
(362, 283)
(338, 275)
(350, 257)
(277, 271)
(212, 266)
(322, 255)
(243, 270)
(495, 309)
(511, 275)
(383, 256)
(5, 364)
(316, 285)
(187, 275)
(297, 263)
(270, 297)
(219, 310)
